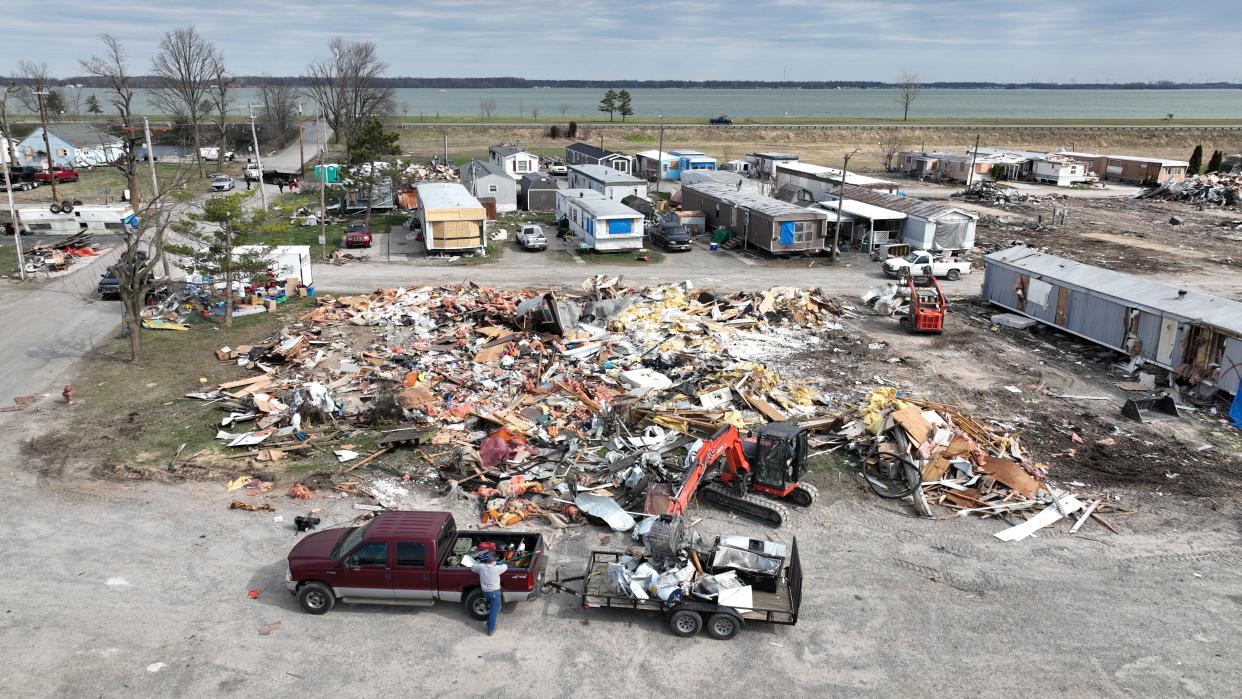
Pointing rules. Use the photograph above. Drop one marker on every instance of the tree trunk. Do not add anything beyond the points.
(224, 142)
(905, 116)
(229, 294)
(198, 155)
(131, 304)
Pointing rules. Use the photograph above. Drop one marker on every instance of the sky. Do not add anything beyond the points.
(940, 40)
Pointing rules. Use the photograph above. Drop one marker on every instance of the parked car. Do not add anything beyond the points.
(722, 120)
(357, 235)
(22, 177)
(531, 237)
(252, 172)
(222, 183)
(917, 263)
(671, 236)
(109, 287)
(410, 558)
(558, 168)
(60, 173)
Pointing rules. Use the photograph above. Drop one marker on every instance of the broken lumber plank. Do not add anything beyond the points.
(1096, 516)
(369, 459)
(1085, 516)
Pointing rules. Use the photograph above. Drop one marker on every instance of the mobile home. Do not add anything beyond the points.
(513, 160)
(613, 184)
(587, 154)
(487, 179)
(764, 164)
(763, 222)
(452, 220)
(603, 225)
(928, 226)
(87, 218)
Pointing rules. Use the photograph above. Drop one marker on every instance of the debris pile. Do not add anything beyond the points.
(431, 173)
(1215, 189)
(933, 454)
(61, 255)
(530, 403)
(728, 574)
(993, 194)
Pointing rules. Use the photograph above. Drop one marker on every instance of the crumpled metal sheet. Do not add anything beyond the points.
(606, 509)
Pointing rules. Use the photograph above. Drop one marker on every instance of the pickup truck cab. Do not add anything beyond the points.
(252, 172)
(409, 558)
(22, 177)
(722, 120)
(60, 173)
(917, 262)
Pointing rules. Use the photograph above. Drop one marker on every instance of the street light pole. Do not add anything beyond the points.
(323, 186)
(836, 234)
(660, 156)
(47, 144)
(258, 157)
(301, 139)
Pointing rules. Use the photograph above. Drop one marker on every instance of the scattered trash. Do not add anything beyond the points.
(251, 506)
(254, 594)
(267, 629)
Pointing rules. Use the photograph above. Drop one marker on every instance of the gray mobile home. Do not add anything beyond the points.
(1195, 335)
(484, 179)
(763, 222)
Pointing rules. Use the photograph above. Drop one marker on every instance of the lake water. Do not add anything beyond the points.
(648, 103)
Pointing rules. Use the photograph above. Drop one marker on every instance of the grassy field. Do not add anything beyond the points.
(107, 183)
(803, 121)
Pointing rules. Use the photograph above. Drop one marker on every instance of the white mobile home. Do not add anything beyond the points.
(513, 160)
(612, 184)
(764, 164)
(809, 183)
(563, 196)
(88, 218)
(487, 179)
(603, 224)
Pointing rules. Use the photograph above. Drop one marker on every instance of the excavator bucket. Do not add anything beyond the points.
(1150, 409)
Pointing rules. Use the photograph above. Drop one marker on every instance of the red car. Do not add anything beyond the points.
(409, 558)
(61, 173)
(358, 235)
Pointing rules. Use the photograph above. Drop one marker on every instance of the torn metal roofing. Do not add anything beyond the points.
(1192, 305)
(907, 205)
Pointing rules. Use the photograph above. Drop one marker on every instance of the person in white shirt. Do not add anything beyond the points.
(489, 579)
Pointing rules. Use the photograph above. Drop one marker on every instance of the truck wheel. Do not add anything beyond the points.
(685, 623)
(722, 627)
(476, 605)
(953, 275)
(316, 598)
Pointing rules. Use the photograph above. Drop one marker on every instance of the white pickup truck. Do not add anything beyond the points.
(917, 262)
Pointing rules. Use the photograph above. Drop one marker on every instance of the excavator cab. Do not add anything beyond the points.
(777, 458)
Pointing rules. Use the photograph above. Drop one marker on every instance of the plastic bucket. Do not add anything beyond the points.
(713, 247)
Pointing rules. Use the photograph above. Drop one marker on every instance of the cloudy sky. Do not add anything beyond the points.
(1044, 40)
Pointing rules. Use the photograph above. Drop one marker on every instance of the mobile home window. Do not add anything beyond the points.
(804, 231)
(492, 188)
(521, 166)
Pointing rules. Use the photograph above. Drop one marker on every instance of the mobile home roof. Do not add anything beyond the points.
(750, 200)
(445, 195)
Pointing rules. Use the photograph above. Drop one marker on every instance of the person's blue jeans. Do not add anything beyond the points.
(493, 608)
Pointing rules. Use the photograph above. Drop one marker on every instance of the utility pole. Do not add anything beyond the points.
(323, 186)
(17, 224)
(301, 138)
(258, 157)
(47, 144)
(660, 156)
(973, 158)
(836, 233)
(155, 192)
(445, 135)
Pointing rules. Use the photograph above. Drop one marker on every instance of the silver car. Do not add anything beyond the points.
(222, 183)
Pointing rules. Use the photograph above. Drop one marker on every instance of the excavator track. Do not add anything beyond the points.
(804, 495)
(752, 506)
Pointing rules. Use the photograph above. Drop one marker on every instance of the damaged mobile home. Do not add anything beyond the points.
(927, 225)
(763, 222)
(1194, 335)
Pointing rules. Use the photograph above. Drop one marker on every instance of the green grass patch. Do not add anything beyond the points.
(640, 138)
(495, 252)
(137, 414)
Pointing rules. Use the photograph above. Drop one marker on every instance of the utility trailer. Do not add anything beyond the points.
(687, 616)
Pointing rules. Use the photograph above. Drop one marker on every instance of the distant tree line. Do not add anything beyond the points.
(511, 82)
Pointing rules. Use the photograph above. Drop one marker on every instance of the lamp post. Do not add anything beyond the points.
(257, 157)
(660, 156)
(836, 233)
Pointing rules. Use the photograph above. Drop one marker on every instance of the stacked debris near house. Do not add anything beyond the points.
(431, 173)
(1216, 189)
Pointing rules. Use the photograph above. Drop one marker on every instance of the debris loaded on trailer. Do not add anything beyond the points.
(934, 455)
(561, 406)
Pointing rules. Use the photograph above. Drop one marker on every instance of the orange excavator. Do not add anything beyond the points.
(928, 304)
(733, 473)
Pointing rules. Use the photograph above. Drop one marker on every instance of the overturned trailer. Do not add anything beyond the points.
(1197, 336)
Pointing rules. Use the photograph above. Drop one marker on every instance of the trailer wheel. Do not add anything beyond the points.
(953, 275)
(476, 605)
(685, 622)
(722, 627)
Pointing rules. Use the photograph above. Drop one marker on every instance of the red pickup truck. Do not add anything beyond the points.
(409, 558)
(61, 173)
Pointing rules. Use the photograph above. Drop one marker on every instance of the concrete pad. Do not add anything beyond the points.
(1013, 320)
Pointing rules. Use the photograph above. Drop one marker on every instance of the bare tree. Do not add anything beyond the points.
(185, 69)
(9, 141)
(37, 77)
(347, 86)
(279, 104)
(534, 112)
(908, 88)
(220, 100)
(487, 107)
(890, 145)
(564, 107)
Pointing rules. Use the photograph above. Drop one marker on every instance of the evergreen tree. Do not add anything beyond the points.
(1196, 161)
(54, 103)
(624, 106)
(92, 105)
(1218, 159)
(609, 103)
(370, 147)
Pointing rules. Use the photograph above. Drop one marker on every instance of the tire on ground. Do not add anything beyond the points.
(685, 622)
(722, 627)
(476, 604)
(316, 598)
